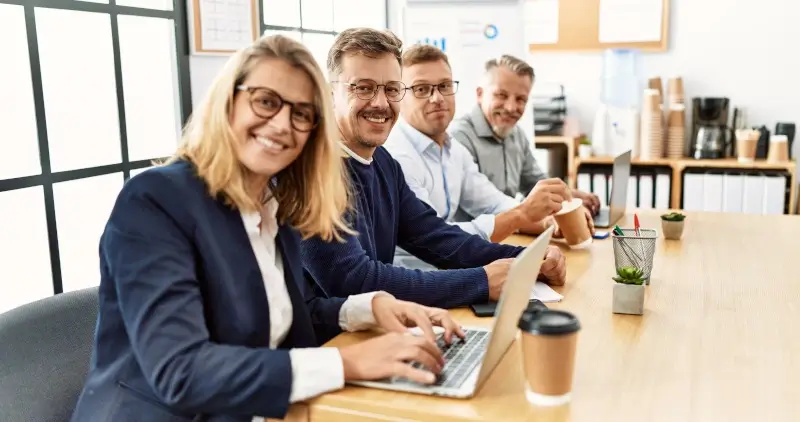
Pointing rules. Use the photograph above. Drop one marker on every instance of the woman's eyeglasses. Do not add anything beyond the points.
(266, 103)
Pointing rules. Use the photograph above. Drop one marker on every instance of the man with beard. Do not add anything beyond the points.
(443, 174)
(365, 73)
(491, 134)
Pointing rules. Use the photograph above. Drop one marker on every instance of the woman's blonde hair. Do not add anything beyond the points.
(313, 191)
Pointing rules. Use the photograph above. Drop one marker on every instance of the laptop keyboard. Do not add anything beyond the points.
(460, 358)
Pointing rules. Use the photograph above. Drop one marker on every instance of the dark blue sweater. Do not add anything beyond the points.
(388, 214)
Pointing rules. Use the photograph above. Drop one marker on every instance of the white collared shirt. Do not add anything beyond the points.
(447, 179)
(314, 370)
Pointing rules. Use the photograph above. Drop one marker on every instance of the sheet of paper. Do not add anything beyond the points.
(545, 293)
(630, 20)
(541, 21)
(226, 24)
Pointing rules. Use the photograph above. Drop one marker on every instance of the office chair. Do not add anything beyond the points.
(45, 348)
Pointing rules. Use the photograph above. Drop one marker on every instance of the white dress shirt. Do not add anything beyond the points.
(314, 370)
(448, 180)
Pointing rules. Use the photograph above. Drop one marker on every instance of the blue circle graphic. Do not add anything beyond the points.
(490, 31)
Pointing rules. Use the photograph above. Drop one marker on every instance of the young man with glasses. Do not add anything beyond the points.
(442, 173)
(365, 73)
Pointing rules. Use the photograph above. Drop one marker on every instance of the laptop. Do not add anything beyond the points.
(469, 362)
(607, 216)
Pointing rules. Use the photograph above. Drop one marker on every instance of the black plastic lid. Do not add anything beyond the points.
(549, 322)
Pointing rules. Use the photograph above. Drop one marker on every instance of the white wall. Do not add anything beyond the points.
(203, 69)
(751, 55)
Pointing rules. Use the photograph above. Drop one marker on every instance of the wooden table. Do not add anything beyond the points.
(719, 340)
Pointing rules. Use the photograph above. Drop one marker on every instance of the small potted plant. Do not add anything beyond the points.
(584, 147)
(628, 291)
(672, 225)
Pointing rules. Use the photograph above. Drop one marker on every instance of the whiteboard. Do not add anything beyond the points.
(471, 35)
(222, 26)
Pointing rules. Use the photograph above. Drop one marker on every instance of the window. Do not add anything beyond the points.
(315, 23)
(93, 92)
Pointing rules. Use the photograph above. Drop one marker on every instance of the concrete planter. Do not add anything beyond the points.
(673, 230)
(628, 299)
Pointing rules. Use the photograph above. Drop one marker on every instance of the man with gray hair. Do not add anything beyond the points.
(491, 134)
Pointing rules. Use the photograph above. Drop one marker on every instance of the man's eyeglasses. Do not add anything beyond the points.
(426, 90)
(266, 103)
(366, 89)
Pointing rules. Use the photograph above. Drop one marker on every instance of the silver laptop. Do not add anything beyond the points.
(469, 362)
(609, 215)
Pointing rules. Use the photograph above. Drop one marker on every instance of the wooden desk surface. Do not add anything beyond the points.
(719, 340)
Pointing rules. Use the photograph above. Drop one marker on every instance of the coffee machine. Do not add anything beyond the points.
(712, 137)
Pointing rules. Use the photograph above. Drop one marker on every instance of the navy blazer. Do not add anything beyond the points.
(183, 327)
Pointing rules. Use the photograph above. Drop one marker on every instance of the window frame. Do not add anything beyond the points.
(301, 29)
(47, 178)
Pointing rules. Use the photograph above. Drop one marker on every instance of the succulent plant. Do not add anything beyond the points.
(673, 216)
(629, 275)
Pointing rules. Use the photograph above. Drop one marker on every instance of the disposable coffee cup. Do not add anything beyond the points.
(572, 222)
(549, 341)
(746, 145)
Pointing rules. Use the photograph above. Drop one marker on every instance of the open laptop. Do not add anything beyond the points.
(608, 216)
(469, 362)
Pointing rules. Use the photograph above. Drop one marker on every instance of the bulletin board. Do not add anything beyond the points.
(221, 27)
(592, 25)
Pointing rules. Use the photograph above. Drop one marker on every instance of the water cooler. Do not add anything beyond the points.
(616, 124)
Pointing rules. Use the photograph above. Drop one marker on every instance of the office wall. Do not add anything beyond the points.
(746, 51)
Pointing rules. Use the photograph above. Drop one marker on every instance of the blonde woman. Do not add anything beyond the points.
(203, 314)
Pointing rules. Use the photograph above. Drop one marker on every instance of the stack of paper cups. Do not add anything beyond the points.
(676, 132)
(655, 83)
(675, 90)
(652, 133)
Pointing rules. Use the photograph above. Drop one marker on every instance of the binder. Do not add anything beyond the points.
(712, 192)
(732, 192)
(693, 191)
(663, 191)
(774, 194)
(633, 186)
(600, 185)
(584, 182)
(753, 196)
(645, 191)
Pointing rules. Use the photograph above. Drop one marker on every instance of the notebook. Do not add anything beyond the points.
(545, 293)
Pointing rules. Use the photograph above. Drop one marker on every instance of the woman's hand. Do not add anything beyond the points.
(390, 355)
(397, 315)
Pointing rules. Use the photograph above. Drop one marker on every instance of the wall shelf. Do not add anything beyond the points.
(678, 167)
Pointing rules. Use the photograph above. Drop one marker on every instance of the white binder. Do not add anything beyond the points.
(753, 196)
(774, 194)
(712, 192)
(600, 188)
(732, 193)
(584, 182)
(632, 189)
(693, 192)
(663, 193)
(645, 191)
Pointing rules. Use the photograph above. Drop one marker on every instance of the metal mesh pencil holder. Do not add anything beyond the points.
(635, 251)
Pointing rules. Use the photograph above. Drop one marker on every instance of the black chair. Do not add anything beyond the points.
(45, 348)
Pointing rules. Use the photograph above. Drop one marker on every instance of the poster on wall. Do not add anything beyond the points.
(471, 35)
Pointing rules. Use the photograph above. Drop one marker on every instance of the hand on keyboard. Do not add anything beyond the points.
(388, 356)
(397, 315)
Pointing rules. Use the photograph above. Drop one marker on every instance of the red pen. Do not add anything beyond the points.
(636, 224)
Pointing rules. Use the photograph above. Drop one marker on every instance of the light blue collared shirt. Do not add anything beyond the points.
(448, 180)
